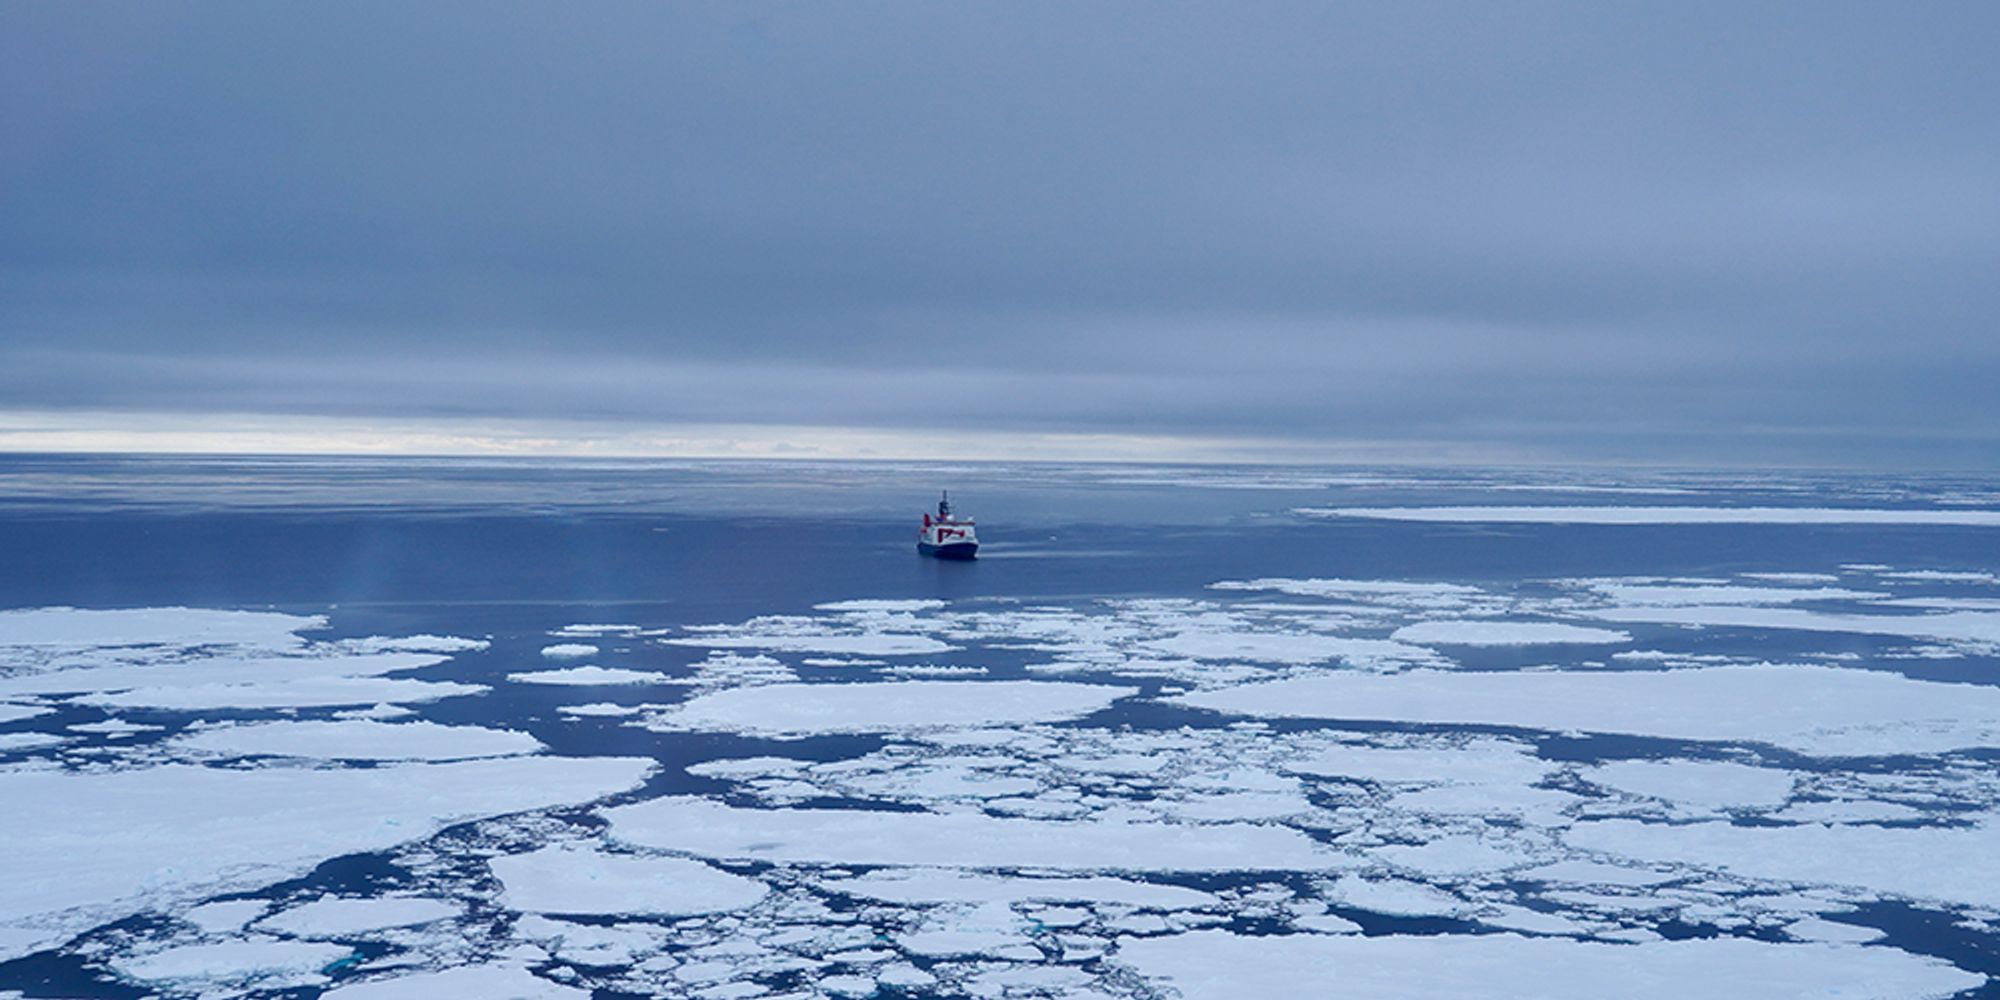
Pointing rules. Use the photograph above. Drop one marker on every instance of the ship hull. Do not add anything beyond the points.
(949, 550)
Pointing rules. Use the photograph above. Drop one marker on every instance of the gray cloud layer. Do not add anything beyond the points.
(1664, 232)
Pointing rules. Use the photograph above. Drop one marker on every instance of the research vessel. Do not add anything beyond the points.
(945, 536)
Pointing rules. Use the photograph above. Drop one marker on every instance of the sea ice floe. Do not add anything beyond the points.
(1950, 864)
(863, 633)
(10, 712)
(113, 728)
(1941, 576)
(794, 709)
(1395, 896)
(936, 885)
(599, 709)
(1821, 929)
(307, 693)
(575, 878)
(86, 848)
(931, 670)
(1966, 626)
(1682, 593)
(868, 605)
(1503, 633)
(1851, 712)
(1703, 785)
(1484, 760)
(261, 962)
(1285, 647)
(228, 915)
(105, 670)
(970, 840)
(590, 675)
(1666, 515)
(496, 981)
(187, 659)
(359, 740)
(335, 917)
(1397, 593)
(17, 742)
(425, 643)
(588, 629)
(569, 650)
(58, 629)
(1218, 964)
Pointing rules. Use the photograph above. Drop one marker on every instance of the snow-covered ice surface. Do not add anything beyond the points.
(1744, 746)
(359, 740)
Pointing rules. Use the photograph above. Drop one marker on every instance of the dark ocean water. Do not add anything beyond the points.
(513, 551)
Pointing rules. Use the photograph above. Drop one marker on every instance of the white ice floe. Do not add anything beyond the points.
(1698, 783)
(792, 709)
(113, 728)
(1850, 712)
(1458, 855)
(932, 670)
(266, 963)
(1503, 633)
(721, 670)
(425, 643)
(575, 878)
(1954, 864)
(86, 848)
(178, 658)
(1398, 593)
(1941, 576)
(599, 709)
(381, 711)
(1678, 593)
(863, 644)
(1966, 626)
(359, 740)
(1216, 964)
(333, 917)
(933, 885)
(591, 675)
(1296, 648)
(1666, 515)
(866, 605)
(229, 915)
(1794, 577)
(1833, 931)
(17, 742)
(305, 693)
(487, 982)
(1476, 761)
(569, 650)
(590, 629)
(77, 628)
(15, 713)
(850, 836)
(110, 670)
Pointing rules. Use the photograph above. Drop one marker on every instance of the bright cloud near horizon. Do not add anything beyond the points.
(1691, 233)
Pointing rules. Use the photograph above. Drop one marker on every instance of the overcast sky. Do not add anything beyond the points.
(1674, 232)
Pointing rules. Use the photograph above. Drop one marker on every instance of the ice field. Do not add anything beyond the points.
(419, 729)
